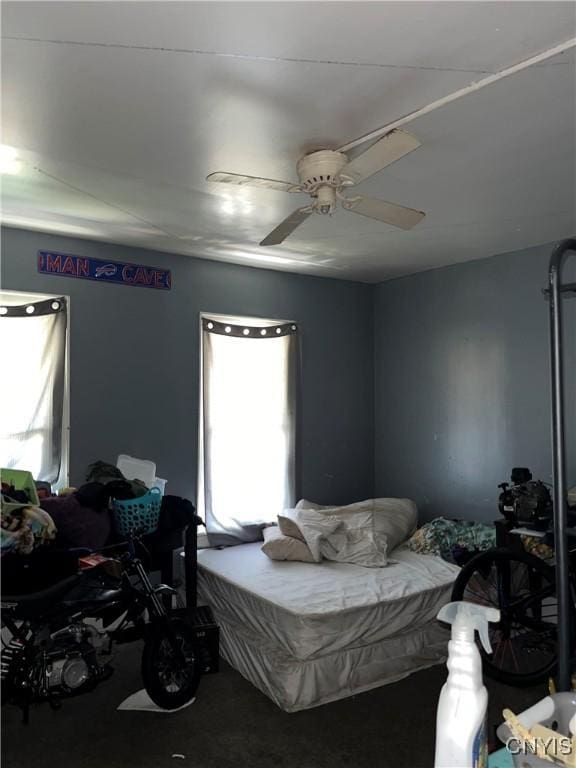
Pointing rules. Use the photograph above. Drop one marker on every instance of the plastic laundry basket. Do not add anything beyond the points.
(22, 481)
(138, 516)
(554, 712)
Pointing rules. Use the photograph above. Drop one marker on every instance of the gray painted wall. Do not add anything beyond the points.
(462, 382)
(134, 360)
(449, 393)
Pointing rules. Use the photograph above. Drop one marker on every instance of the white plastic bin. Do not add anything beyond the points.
(554, 712)
(137, 469)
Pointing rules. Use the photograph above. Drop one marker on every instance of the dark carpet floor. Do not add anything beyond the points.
(232, 724)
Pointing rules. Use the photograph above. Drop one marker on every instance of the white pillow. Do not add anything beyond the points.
(397, 519)
(349, 538)
(305, 504)
(280, 547)
(288, 524)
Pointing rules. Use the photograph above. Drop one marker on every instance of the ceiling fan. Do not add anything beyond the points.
(326, 174)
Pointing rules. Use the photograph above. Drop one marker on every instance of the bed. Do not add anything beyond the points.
(306, 634)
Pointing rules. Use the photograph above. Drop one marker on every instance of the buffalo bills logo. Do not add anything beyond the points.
(108, 270)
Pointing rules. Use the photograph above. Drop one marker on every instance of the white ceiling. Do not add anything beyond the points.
(120, 110)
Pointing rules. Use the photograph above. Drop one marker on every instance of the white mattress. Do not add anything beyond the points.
(294, 685)
(308, 610)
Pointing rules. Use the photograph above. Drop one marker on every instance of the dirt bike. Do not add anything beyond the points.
(57, 642)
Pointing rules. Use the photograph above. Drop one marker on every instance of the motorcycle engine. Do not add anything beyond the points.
(526, 502)
(71, 660)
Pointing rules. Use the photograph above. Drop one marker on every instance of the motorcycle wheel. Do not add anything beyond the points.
(168, 684)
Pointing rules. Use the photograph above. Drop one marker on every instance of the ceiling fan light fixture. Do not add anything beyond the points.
(325, 199)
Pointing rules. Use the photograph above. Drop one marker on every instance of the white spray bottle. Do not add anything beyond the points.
(461, 718)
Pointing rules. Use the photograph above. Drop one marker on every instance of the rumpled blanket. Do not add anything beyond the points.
(348, 539)
(453, 540)
(25, 528)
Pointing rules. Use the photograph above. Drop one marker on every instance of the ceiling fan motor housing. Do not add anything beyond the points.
(319, 176)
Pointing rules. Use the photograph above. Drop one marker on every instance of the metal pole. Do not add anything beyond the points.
(191, 564)
(559, 464)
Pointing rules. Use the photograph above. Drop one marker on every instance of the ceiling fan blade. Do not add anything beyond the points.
(252, 181)
(387, 150)
(288, 226)
(390, 213)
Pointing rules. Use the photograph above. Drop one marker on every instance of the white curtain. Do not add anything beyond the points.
(32, 388)
(248, 425)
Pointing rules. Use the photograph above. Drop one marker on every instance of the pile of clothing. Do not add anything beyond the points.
(23, 527)
(110, 478)
(458, 541)
(455, 541)
(82, 515)
(79, 518)
(77, 521)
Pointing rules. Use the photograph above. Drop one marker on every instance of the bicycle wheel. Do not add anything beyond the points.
(523, 588)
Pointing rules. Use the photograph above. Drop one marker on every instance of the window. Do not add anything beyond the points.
(34, 385)
(247, 424)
